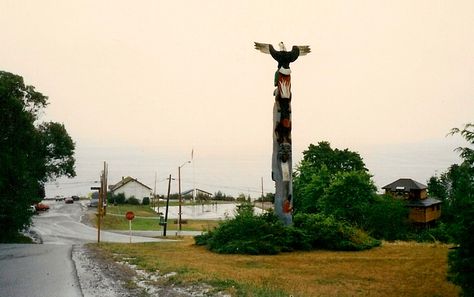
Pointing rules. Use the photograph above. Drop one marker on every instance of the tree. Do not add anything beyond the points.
(334, 159)
(386, 218)
(314, 173)
(349, 197)
(31, 153)
(461, 199)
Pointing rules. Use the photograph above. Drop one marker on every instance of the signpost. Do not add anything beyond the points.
(130, 216)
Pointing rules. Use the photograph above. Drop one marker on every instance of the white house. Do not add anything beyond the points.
(131, 187)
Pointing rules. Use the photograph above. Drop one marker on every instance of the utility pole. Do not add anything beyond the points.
(179, 191)
(180, 198)
(167, 205)
(154, 198)
(262, 193)
(102, 194)
(104, 191)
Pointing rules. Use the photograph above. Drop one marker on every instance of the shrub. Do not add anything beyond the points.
(248, 234)
(117, 199)
(440, 232)
(327, 233)
(146, 201)
(386, 218)
(265, 234)
(133, 201)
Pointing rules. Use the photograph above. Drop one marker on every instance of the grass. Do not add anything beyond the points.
(394, 269)
(146, 220)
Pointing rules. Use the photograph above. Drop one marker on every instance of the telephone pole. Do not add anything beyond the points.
(167, 205)
(102, 195)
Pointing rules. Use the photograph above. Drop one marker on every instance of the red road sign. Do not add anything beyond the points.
(130, 215)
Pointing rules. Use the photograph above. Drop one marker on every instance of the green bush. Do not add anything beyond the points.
(146, 201)
(116, 199)
(440, 232)
(133, 201)
(325, 232)
(386, 218)
(265, 234)
(247, 234)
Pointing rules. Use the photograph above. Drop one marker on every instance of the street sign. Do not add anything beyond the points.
(130, 215)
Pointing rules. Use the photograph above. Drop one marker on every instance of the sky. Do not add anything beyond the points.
(141, 84)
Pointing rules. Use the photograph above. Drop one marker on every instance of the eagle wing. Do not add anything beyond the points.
(304, 49)
(263, 47)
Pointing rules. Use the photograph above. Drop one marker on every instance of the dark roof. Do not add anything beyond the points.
(424, 202)
(405, 184)
(197, 190)
(125, 181)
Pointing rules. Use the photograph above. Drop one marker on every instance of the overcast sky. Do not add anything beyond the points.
(139, 84)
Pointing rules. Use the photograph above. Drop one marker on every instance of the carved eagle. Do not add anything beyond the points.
(283, 57)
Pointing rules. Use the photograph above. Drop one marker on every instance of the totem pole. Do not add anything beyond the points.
(281, 157)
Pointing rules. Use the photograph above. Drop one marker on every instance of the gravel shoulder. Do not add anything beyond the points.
(101, 276)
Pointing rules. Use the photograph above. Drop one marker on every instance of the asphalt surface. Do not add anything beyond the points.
(62, 225)
(48, 269)
(37, 270)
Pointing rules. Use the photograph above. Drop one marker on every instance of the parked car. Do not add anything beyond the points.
(59, 198)
(75, 198)
(94, 202)
(68, 200)
(41, 207)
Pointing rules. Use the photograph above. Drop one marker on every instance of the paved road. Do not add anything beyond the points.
(62, 225)
(47, 269)
(37, 270)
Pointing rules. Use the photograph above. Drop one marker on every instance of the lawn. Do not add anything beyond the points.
(146, 220)
(394, 269)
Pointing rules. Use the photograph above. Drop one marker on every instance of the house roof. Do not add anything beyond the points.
(197, 190)
(424, 202)
(126, 180)
(405, 184)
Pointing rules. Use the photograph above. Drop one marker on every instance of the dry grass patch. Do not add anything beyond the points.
(391, 270)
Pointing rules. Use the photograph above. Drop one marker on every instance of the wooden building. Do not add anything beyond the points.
(423, 210)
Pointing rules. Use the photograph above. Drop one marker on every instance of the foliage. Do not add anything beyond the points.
(336, 183)
(326, 232)
(349, 196)
(315, 172)
(31, 153)
(334, 159)
(146, 201)
(309, 189)
(386, 218)
(241, 198)
(133, 201)
(247, 234)
(269, 197)
(265, 234)
(223, 197)
(461, 202)
(440, 232)
(116, 199)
